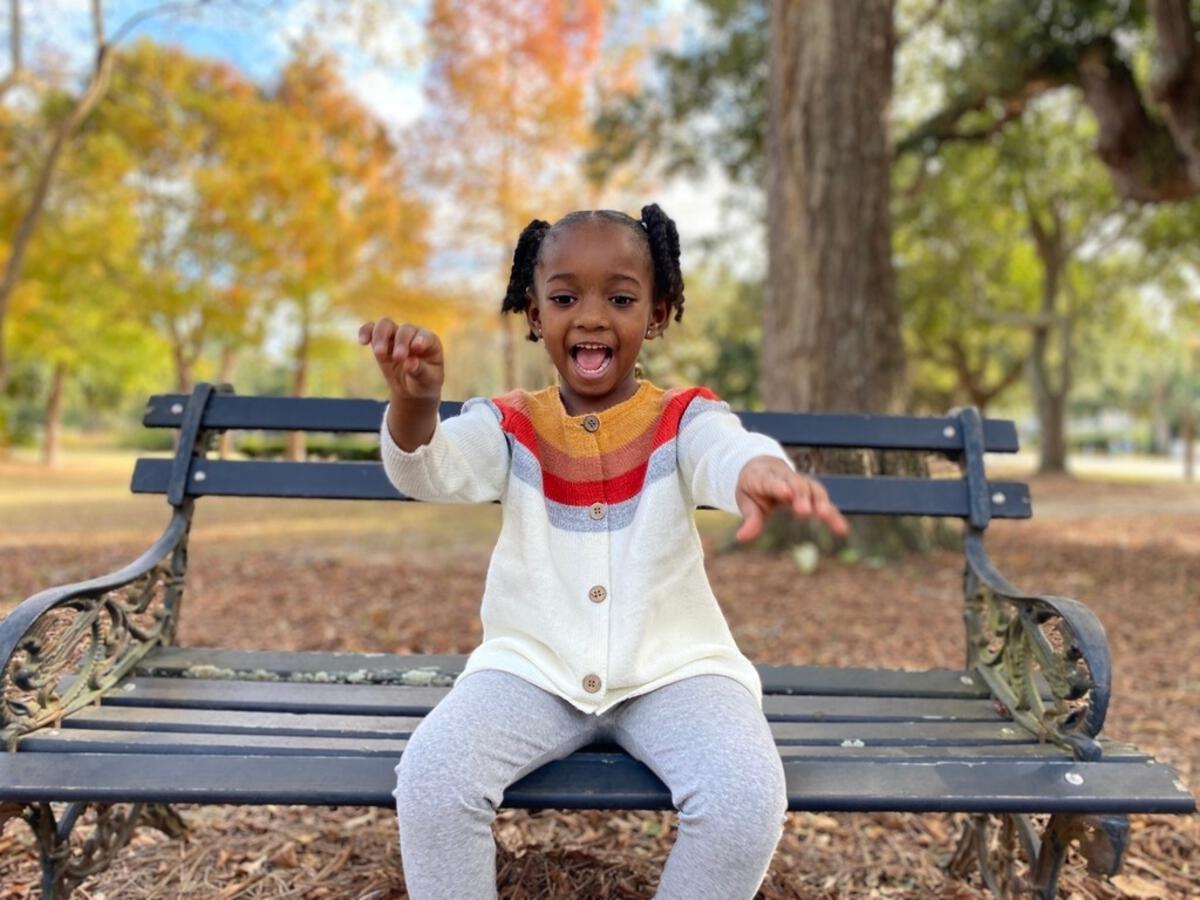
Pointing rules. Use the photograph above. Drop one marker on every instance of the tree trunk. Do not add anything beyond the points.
(295, 442)
(511, 326)
(1049, 238)
(225, 376)
(52, 441)
(831, 322)
(1188, 434)
(1051, 412)
(1160, 424)
(183, 368)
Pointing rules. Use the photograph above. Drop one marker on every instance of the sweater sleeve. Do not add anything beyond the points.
(466, 460)
(713, 446)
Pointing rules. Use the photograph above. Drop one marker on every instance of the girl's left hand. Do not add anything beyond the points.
(766, 482)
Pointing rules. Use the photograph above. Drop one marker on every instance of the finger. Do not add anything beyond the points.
(418, 354)
(782, 489)
(381, 340)
(404, 336)
(769, 489)
(424, 342)
(752, 518)
(824, 509)
(365, 332)
(802, 505)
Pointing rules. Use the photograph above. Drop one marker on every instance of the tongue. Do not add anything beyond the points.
(590, 359)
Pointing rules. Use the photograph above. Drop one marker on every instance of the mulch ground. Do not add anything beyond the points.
(1138, 570)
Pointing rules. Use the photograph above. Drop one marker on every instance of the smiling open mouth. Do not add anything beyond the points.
(591, 360)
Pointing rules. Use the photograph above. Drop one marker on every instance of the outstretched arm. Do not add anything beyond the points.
(730, 468)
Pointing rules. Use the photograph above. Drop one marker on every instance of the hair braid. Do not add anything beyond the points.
(520, 279)
(663, 237)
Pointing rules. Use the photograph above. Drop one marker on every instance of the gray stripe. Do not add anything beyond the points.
(699, 406)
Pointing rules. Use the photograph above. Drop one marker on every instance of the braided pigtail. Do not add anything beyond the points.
(663, 237)
(520, 280)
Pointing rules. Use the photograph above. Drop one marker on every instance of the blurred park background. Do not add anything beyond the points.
(884, 206)
(223, 189)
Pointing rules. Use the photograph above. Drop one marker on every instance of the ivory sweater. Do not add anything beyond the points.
(596, 590)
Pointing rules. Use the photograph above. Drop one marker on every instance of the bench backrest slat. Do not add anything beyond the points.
(367, 481)
(962, 435)
(228, 411)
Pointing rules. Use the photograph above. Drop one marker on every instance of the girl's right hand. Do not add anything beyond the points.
(409, 357)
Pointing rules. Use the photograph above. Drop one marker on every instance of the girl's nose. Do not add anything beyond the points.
(593, 313)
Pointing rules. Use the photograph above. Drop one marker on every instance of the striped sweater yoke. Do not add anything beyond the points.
(575, 467)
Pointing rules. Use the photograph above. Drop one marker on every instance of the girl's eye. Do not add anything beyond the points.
(623, 300)
(561, 299)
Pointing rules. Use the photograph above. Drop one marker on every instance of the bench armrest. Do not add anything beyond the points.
(96, 630)
(1023, 644)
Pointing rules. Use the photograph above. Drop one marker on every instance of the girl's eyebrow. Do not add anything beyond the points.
(615, 276)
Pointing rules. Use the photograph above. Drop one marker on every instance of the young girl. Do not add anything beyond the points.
(598, 619)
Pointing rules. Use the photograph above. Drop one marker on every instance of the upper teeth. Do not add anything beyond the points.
(590, 347)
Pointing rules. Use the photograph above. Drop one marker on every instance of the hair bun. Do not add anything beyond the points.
(664, 251)
(520, 278)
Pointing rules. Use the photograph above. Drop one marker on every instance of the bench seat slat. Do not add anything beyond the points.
(787, 679)
(594, 781)
(90, 740)
(797, 429)
(393, 700)
(349, 726)
(367, 481)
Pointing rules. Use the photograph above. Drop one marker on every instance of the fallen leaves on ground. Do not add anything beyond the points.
(1138, 571)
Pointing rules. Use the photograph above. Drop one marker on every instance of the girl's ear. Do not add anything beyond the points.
(660, 316)
(533, 315)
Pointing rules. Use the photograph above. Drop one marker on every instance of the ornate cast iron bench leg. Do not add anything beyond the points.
(1102, 841)
(96, 631)
(62, 869)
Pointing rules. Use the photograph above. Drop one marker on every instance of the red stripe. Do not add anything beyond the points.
(585, 493)
(519, 426)
(673, 410)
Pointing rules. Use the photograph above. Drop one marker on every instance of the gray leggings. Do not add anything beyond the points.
(706, 737)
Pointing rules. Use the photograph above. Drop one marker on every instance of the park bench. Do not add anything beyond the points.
(100, 708)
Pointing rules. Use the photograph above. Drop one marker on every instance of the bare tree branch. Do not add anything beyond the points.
(1150, 159)
(138, 18)
(16, 71)
(942, 127)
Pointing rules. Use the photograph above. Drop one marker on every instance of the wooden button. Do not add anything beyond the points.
(591, 683)
(591, 423)
(598, 594)
(598, 510)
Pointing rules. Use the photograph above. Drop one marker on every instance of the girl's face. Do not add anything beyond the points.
(593, 305)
